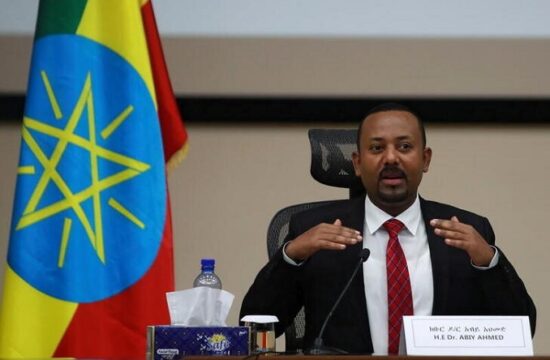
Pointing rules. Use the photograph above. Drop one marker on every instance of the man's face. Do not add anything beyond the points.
(391, 159)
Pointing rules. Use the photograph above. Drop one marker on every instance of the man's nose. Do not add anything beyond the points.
(391, 155)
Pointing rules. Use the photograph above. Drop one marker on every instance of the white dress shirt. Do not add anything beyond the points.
(414, 241)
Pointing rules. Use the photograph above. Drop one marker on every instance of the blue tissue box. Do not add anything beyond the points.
(167, 342)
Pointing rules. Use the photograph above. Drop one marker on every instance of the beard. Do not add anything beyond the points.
(393, 194)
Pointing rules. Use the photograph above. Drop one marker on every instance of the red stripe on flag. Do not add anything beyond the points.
(173, 132)
(116, 327)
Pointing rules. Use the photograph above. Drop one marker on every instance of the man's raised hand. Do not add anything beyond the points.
(322, 237)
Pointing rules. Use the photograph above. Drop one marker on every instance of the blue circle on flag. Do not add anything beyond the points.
(90, 205)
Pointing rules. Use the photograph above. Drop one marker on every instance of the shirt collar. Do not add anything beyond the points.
(376, 217)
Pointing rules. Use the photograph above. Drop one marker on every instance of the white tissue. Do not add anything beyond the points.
(200, 306)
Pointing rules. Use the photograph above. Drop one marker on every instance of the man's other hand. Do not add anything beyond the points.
(465, 237)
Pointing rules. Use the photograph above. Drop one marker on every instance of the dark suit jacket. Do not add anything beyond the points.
(459, 289)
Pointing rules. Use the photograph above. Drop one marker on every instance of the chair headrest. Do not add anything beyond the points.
(331, 160)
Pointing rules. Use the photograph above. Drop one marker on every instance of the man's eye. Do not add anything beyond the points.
(405, 146)
(375, 148)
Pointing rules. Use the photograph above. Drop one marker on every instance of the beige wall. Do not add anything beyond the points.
(236, 177)
(336, 67)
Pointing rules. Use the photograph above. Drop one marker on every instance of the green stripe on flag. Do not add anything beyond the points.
(59, 17)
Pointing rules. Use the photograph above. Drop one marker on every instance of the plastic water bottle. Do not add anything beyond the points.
(207, 277)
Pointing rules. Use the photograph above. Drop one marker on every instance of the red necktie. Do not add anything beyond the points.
(399, 285)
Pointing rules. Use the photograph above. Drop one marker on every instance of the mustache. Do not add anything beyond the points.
(391, 171)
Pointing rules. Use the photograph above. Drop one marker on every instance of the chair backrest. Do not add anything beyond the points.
(331, 164)
(331, 158)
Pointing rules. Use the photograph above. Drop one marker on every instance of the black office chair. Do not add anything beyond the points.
(331, 164)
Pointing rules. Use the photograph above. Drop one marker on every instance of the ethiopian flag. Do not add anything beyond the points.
(90, 252)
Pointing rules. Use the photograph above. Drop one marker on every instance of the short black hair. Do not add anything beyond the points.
(392, 106)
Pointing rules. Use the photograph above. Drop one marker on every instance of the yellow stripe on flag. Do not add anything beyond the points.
(118, 25)
(31, 322)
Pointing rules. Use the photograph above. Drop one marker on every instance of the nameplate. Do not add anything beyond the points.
(467, 335)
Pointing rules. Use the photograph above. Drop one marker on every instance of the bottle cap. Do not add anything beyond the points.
(208, 262)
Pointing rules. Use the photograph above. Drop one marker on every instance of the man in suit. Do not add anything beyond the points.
(427, 258)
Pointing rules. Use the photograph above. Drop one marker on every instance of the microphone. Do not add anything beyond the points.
(318, 348)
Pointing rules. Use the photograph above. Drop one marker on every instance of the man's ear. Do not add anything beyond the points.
(427, 159)
(356, 159)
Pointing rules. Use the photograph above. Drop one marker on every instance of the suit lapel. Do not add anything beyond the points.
(439, 254)
(355, 219)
